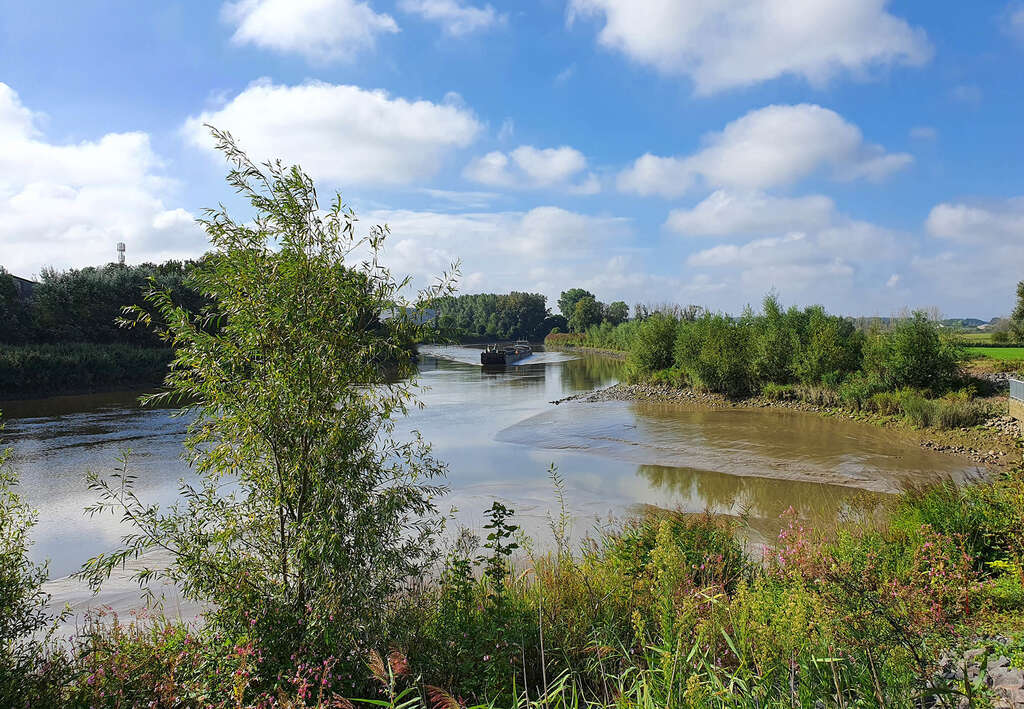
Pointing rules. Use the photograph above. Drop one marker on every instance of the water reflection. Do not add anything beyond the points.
(759, 498)
(498, 432)
(766, 443)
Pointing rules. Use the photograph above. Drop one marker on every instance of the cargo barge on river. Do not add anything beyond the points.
(497, 356)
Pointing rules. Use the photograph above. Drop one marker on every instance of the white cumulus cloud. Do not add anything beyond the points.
(68, 204)
(456, 18)
(343, 134)
(1001, 223)
(539, 250)
(319, 30)
(732, 43)
(804, 248)
(725, 213)
(768, 147)
(530, 167)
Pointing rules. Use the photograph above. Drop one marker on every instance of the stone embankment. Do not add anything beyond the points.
(988, 669)
(995, 443)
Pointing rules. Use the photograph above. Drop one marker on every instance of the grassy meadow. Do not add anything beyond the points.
(1006, 354)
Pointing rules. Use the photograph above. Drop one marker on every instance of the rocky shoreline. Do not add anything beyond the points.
(995, 444)
(989, 669)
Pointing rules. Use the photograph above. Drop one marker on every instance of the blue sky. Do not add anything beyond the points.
(862, 154)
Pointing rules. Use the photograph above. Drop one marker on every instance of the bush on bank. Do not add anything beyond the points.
(800, 354)
(37, 370)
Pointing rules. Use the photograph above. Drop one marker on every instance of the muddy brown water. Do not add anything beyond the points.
(499, 434)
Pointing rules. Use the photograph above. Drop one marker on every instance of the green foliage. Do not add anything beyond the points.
(513, 316)
(987, 518)
(499, 541)
(25, 677)
(293, 402)
(612, 337)
(83, 305)
(651, 348)
(778, 392)
(15, 314)
(800, 354)
(703, 548)
(716, 354)
(585, 313)
(567, 301)
(616, 313)
(831, 348)
(918, 410)
(775, 343)
(857, 390)
(667, 611)
(36, 370)
(913, 354)
(1017, 317)
(954, 410)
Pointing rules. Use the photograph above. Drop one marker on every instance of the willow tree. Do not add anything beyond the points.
(310, 513)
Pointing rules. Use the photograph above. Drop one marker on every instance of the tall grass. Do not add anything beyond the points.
(668, 611)
(37, 370)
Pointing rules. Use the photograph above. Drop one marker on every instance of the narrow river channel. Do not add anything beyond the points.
(499, 433)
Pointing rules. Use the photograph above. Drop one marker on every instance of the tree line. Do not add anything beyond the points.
(84, 304)
(524, 315)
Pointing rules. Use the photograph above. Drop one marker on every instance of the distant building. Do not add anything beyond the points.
(25, 288)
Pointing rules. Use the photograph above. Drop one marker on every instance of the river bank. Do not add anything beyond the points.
(995, 444)
(61, 369)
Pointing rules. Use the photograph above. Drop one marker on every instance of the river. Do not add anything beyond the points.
(499, 433)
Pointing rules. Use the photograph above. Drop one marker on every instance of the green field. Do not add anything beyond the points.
(1003, 353)
(976, 338)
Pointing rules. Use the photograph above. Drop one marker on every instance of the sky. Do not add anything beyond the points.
(861, 154)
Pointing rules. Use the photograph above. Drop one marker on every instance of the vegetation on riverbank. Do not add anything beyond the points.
(65, 337)
(29, 371)
(667, 611)
(490, 316)
(910, 369)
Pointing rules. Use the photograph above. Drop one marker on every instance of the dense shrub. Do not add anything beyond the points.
(987, 518)
(561, 339)
(36, 370)
(830, 349)
(15, 312)
(26, 673)
(913, 354)
(651, 348)
(83, 305)
(775, 343)
(858, 389)
(612, 337)
(778, 392)
(715, 352)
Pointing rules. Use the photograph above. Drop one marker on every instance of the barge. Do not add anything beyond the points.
(497, 356)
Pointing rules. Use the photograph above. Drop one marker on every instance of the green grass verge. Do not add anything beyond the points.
(1013, 354)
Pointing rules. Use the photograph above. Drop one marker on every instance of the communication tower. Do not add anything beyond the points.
(120, 252)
